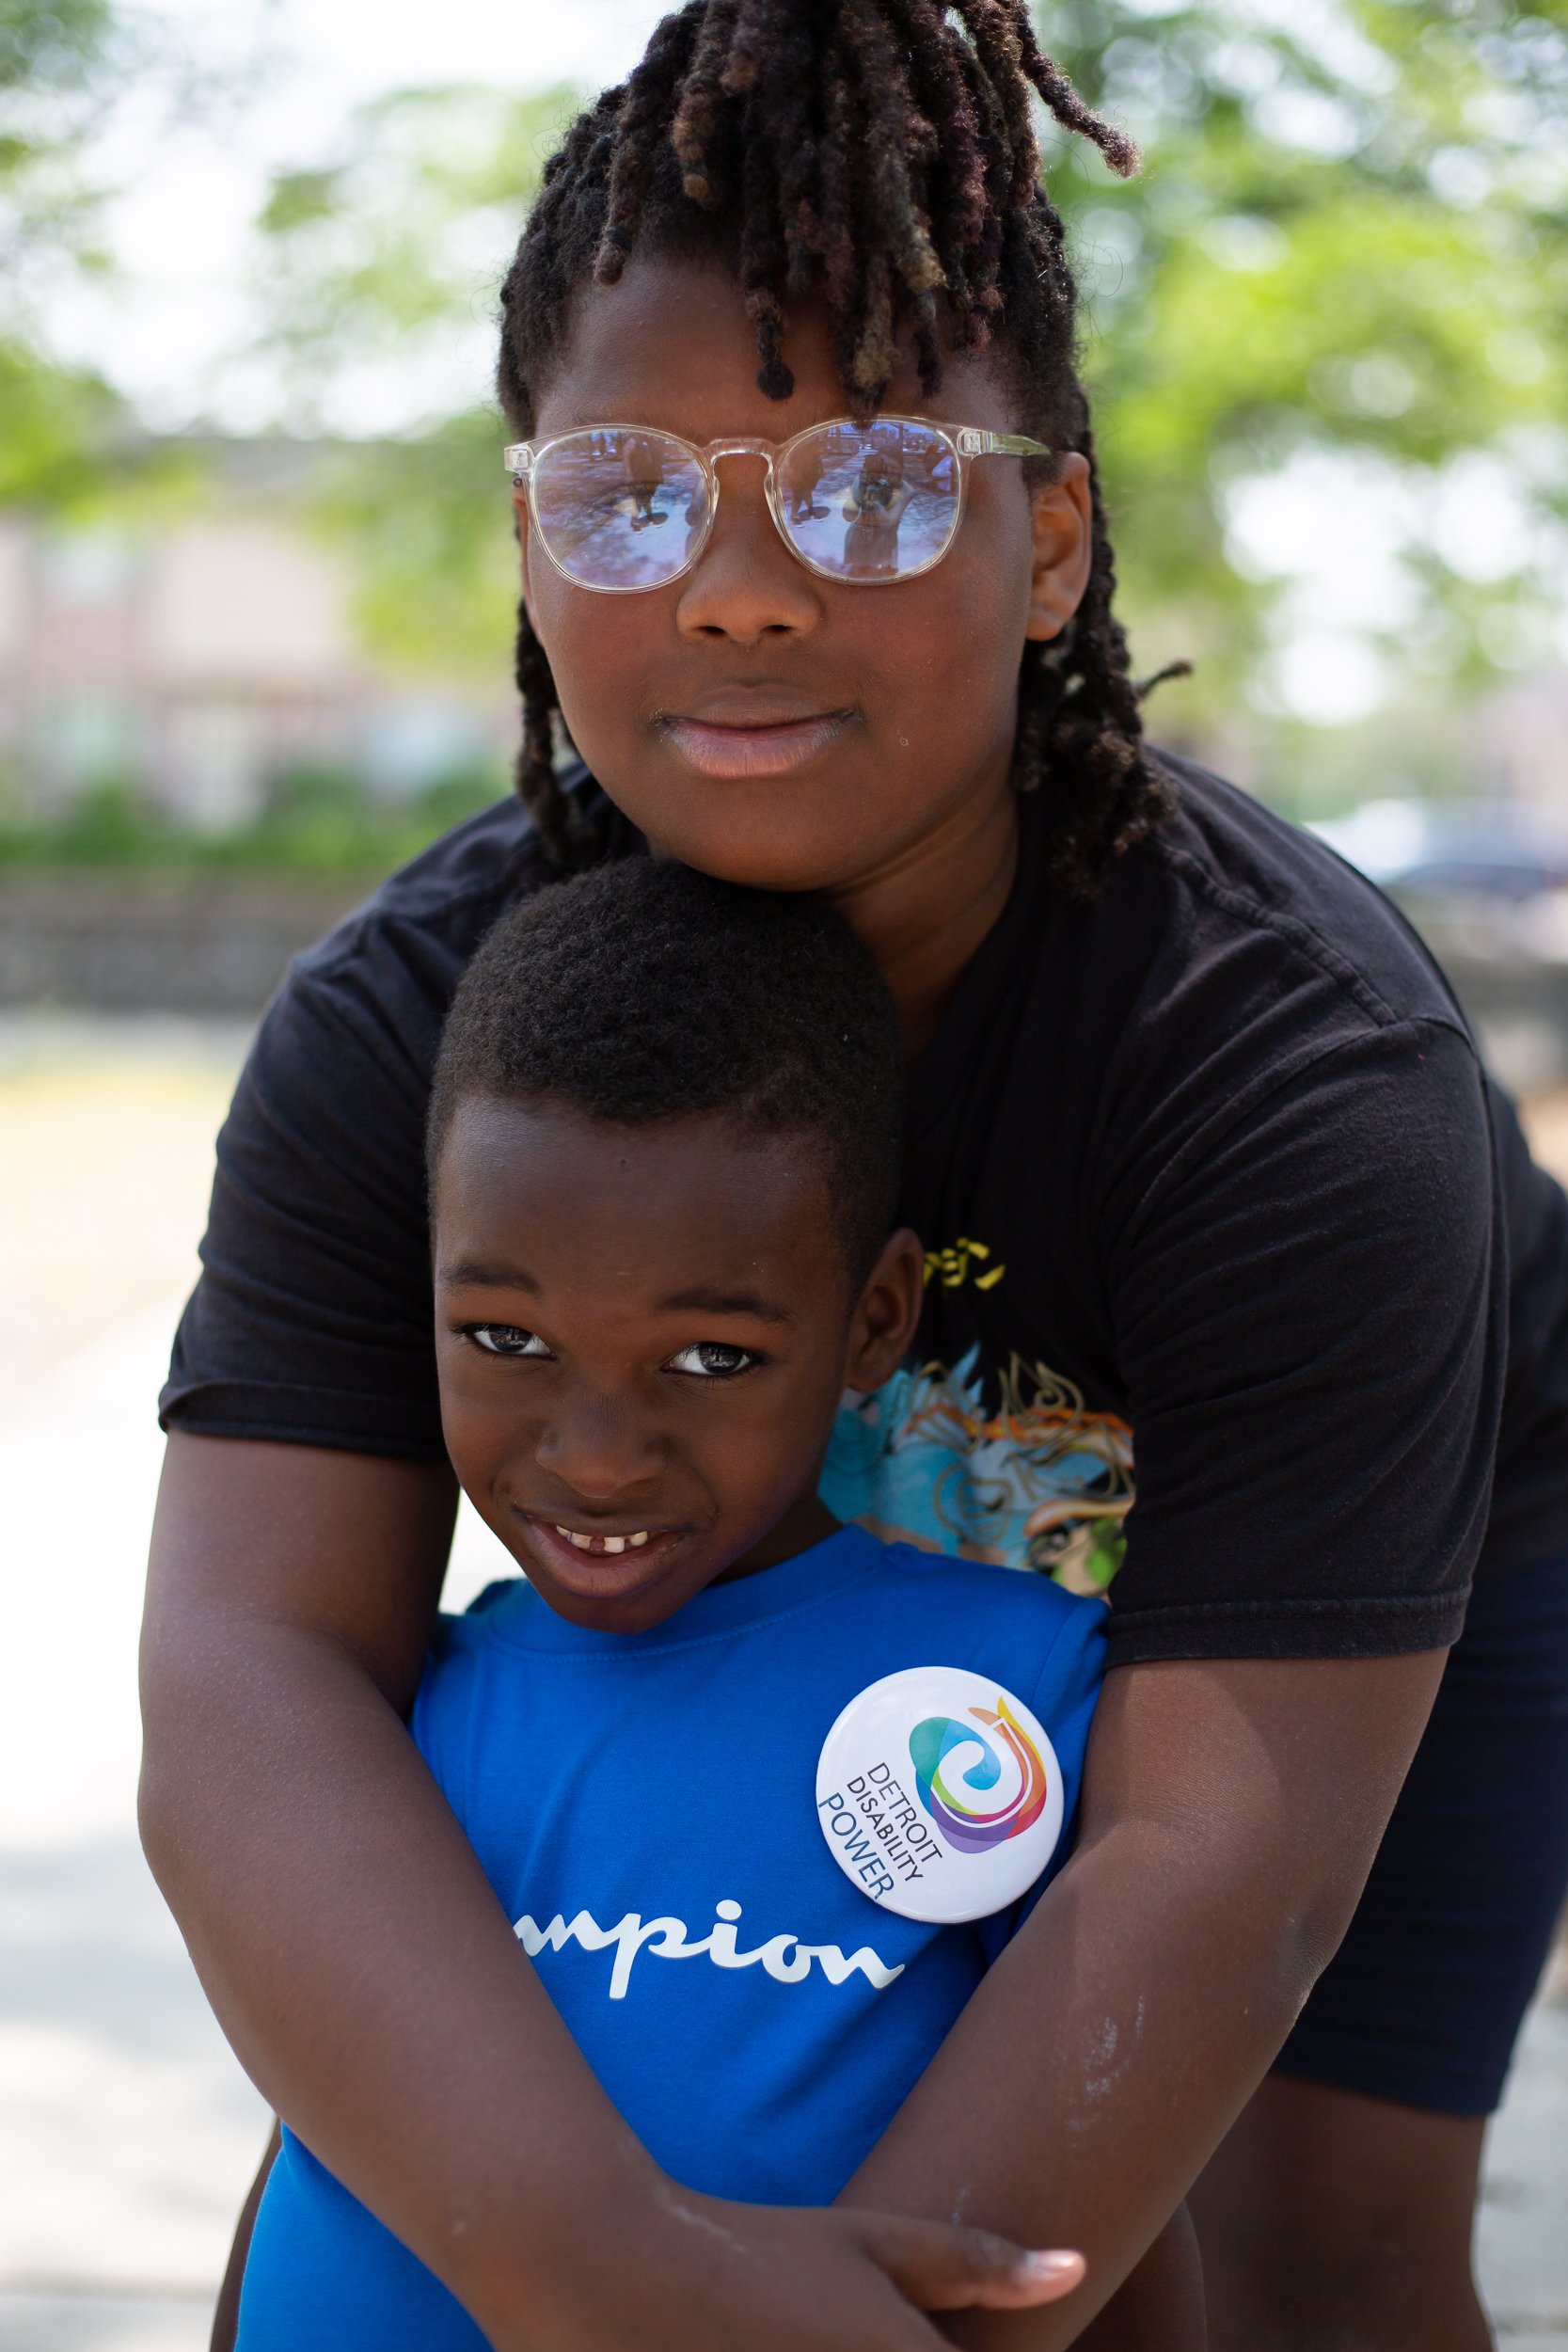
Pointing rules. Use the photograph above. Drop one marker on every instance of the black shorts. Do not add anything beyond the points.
(1424, 1998)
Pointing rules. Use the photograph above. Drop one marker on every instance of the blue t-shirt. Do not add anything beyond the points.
(645, 1805)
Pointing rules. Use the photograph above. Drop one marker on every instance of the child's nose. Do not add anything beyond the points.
(600, 1447)
(746, 586)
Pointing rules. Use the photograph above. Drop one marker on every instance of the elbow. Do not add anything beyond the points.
(158, 1817)
(203, 1679)
(166, 1776)
(1323, 1927)
(1314, 1924)
(1304, 1950)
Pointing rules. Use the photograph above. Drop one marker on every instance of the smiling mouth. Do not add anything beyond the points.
(599, 1566)
(599, 1545)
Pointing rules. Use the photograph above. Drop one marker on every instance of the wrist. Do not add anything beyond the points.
(571, 2257)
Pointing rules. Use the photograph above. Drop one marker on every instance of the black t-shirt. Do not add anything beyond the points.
(1237, 1263)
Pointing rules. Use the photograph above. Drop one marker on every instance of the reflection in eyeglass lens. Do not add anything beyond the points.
(620, 510)
(870, 502)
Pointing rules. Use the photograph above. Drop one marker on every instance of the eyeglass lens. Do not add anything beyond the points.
(620, 509)
(870, 501)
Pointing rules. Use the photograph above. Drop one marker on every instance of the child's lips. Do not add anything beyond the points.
(598, 1562)
(755, 747)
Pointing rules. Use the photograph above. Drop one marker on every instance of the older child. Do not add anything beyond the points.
(1236, 1260)
(664, 1164)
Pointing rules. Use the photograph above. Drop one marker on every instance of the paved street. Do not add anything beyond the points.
(127, 2133)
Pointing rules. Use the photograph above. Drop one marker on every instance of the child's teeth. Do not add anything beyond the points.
(602, 1543)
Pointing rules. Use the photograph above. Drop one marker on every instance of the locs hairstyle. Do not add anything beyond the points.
(881, 155)
(642, 991)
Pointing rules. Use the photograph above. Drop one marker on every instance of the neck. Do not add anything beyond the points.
(924, 915)
(807, 1521)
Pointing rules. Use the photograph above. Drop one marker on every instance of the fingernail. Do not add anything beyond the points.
(1050, 2265)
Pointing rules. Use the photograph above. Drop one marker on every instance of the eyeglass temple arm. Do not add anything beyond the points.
(517, 457)
(973, 443)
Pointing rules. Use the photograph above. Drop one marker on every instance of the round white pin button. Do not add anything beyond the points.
(938, 1794)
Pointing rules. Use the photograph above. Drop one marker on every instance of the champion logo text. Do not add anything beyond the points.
(784, 1958)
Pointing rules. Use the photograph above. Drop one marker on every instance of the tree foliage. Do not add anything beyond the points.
(69, 70)
(1350, 238)
(59, 60)
(382, 267)
(400, 237)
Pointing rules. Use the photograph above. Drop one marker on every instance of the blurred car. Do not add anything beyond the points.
(1481, 882)
(1486, 885)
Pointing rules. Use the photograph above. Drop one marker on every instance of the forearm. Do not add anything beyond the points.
(342, 1928)
(1105, 2055)
(361, 1966)
(1082, 2090)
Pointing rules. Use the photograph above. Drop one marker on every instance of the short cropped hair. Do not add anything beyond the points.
(642, 991)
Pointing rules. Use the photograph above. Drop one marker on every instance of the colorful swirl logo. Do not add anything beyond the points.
(965, 1826)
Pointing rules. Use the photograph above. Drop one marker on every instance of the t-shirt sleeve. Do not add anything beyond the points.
(1308, 1305)
(312, 1319)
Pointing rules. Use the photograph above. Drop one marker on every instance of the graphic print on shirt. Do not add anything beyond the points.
(1038, 1483)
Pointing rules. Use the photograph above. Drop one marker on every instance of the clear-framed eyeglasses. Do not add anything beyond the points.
(620, 507)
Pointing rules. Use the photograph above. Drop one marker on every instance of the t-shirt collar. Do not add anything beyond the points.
(850, 1553)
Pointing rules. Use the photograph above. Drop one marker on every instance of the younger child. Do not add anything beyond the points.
(664, 1164)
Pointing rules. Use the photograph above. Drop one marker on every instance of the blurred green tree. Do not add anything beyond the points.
(60, 60)
(1350, 241)
(69, 71)
(388, 258)
(404, 234)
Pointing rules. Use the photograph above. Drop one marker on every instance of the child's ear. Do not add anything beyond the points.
(887, 1312)
(1062, 516)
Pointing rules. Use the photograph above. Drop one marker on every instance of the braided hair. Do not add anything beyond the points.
(879, 154)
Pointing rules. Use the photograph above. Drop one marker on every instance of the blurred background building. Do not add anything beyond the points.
(256, 601)
(195, 662)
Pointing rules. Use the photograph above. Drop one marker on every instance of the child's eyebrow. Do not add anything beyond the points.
(714, 1302)
(486, 1275)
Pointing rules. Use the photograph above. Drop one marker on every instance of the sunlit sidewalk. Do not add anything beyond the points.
(127, 2130)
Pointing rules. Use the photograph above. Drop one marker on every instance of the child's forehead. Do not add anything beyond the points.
(700, 1182)
(671, 345)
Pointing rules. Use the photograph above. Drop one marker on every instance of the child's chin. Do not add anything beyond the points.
(636, 1612)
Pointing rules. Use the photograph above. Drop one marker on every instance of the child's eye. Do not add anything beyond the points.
(506, 1339)
(710, 1359)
